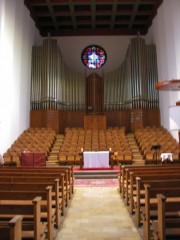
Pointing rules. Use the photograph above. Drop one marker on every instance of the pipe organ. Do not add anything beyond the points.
(130, 87)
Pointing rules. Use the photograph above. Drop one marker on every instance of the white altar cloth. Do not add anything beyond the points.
(165, 156)
(99, 159)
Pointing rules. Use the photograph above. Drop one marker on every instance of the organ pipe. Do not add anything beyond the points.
(53, 85)
(136, 81)
(132, 85)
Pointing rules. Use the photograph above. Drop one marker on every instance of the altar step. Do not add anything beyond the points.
(96, 174)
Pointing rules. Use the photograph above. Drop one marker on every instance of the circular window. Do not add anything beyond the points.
(93, 57)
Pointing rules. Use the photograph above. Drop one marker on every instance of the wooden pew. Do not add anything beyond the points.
(33, 229)
(63, 192)
(11, 230)
(150, 208)
(57, 191)
(139, 198)
(128, 183)
(67, 170)
(166, 228)
(68, 178)
(124, 175)
(26, 192)
(44, 171)
(123, 172)
(145, 176)
(149, 172)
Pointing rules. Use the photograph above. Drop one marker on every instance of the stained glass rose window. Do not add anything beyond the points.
(93, 57)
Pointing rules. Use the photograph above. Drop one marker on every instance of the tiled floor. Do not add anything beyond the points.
(97, 213)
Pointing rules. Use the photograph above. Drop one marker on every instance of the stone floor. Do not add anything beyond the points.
(97, 213)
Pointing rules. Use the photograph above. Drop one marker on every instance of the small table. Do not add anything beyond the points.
(167, 156)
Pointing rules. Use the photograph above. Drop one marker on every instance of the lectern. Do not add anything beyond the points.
(156, 148)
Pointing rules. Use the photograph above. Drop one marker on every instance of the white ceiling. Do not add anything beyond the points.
(115, 47)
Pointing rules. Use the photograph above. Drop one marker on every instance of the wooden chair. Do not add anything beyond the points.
(7, 157)
(128, 157)
(149, 157)
(70, 160)
(176, 156)
(62, 159)
(118, 157)
(78, 159)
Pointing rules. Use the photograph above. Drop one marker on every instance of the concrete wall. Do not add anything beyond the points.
(165, 33)
(17, 35)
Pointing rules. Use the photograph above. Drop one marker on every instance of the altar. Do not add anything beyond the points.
(98, 159)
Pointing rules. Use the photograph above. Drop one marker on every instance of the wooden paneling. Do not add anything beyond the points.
(63, 121)
(94, 93)
(59, 120)
(136, 119)
(151, 117)
(35, 118)
(52, 119)
(45, 118)
(70, 119)
(119, 119)
(144, 117)
(95, 122)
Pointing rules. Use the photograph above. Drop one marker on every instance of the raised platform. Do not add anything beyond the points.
(96, 173)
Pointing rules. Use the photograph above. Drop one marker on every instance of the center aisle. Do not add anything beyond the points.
(97, 213)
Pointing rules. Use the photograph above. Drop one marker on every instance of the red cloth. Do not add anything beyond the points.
(39, 159)
(33, 159)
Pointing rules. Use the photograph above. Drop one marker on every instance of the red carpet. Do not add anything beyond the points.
(96, 183)
(94, 169)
